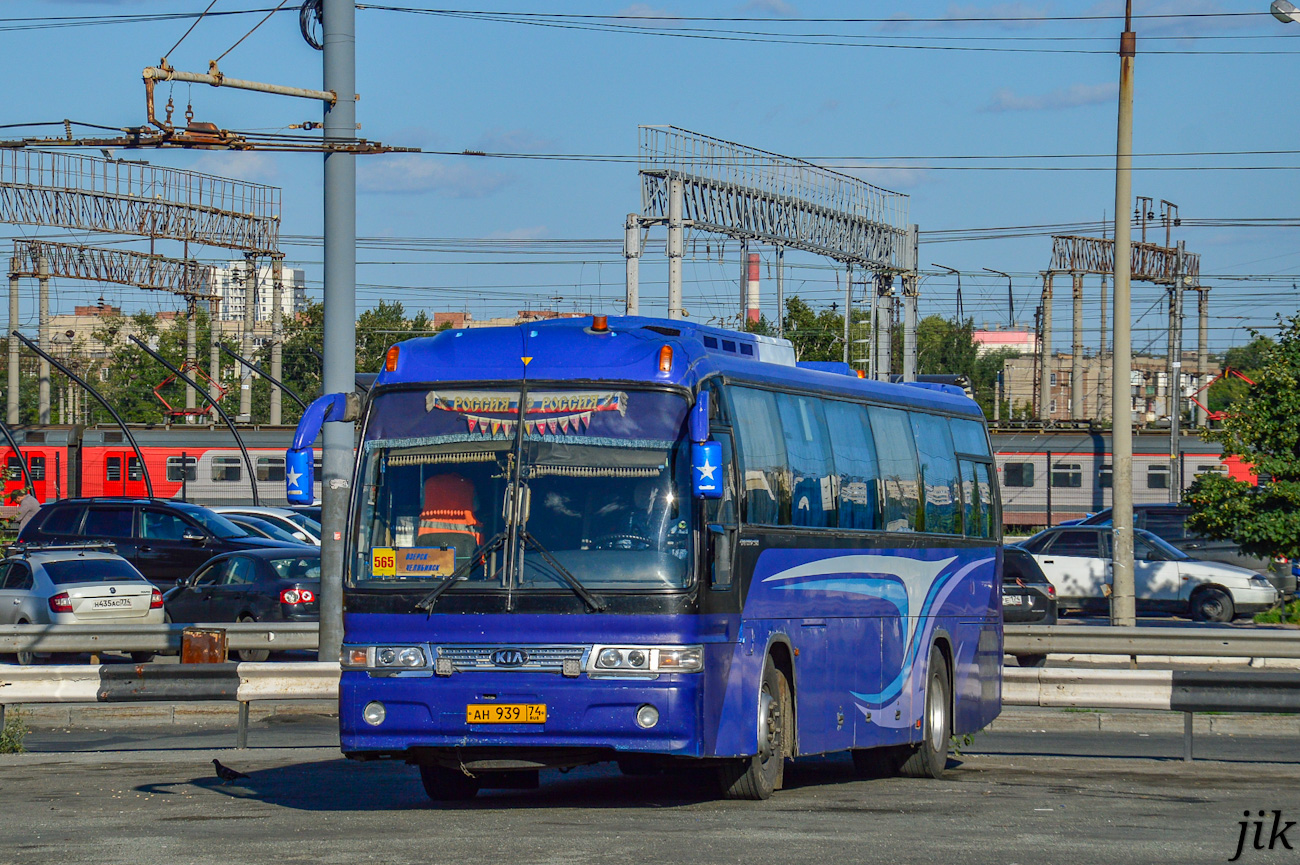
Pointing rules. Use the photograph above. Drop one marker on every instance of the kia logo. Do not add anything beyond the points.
(509, 657)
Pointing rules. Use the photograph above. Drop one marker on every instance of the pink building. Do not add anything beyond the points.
(1023, 341)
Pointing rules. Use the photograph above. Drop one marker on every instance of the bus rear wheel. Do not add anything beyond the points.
(448, 785)
(758, 776)
(929, 759)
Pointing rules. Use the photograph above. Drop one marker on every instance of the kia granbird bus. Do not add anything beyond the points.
(661, 544)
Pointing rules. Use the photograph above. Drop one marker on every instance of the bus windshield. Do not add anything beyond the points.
(596, 481)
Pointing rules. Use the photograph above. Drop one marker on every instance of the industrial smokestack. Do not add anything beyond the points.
(751, 289)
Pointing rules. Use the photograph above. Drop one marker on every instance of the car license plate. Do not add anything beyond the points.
(112, 602)
(1012, 600)
(505, 713)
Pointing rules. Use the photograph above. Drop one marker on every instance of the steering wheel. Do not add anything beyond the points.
(622, 541)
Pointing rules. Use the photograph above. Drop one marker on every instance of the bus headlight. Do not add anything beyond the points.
(633, 660)
(384, 657)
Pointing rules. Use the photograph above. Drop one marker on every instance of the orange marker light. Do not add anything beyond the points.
(861, 374)
(600, 323)
(390, 359)
(666, 359)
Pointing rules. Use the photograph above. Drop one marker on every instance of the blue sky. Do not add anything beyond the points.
(893, 116)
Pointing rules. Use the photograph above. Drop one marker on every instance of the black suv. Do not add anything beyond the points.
(165, 540)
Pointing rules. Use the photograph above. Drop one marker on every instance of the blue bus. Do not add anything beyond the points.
(659, 543)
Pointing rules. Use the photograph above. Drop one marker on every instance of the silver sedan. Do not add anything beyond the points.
(72, 586)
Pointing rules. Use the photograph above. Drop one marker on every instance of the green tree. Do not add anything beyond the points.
(1246, 359)
(1263, 428)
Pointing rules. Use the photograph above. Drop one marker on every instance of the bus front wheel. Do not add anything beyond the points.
(758, 776)
(448, 785)
(929, 758)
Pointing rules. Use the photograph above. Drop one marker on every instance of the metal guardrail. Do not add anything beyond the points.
(1176, 642)
(120, 683)
(1191, 642)
(276, 636)
(1186, 691)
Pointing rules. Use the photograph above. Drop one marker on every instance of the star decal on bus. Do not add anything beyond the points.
(706, 471)
(293, 478)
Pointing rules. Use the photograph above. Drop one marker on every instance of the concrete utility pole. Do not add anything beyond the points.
(780, 291)
(632, 255)
(1174, 373)
(340, 336)
(191, 353)
(676, 246)
(1102, 366)
(246, 342)
(848, 311)
(1122, 609)
(885, 314)
(277, 338)
(1077, 388)
(214, 350)
(43, 340)
(911, 288)
(1202, 346)
(11, 392)
(1045, 352)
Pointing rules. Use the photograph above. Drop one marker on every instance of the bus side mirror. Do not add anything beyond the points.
(706, 470)
(300, 486)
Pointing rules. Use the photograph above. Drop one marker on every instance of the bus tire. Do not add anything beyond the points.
(448, 785)
(758, 776)
(929, 759)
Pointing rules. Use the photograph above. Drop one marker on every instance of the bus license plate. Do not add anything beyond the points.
(505, 713)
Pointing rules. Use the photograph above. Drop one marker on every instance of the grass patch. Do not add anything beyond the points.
(13, 733)
(1288, 614)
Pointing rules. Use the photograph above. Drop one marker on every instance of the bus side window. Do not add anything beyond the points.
(762, 450)
(896, 451)
(723, 510)
(720, 519)
(858, 473)
(939, 477)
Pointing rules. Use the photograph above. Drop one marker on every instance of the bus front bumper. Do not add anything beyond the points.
(583, 713)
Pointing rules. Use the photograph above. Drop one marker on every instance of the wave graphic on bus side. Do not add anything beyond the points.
(906, 584)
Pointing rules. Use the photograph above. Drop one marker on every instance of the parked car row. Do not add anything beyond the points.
(1077, 560)
(146, 561)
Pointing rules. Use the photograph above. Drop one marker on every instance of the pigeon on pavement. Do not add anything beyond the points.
(225, 773)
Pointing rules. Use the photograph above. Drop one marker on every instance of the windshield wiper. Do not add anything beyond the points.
(491, 545)
(595, 604)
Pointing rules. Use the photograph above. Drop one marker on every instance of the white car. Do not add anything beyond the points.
(76, 584)
(1077, 561)
(302, 527)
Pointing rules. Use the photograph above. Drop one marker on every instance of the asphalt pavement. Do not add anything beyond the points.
(148, 795)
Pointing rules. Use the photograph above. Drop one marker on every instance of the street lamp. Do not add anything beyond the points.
(1285, 12)
(958, 272)
(1011, 303)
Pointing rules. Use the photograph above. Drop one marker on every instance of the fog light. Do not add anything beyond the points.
(386, 657)
(636, 658)
(646, 716)
(375, 712)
